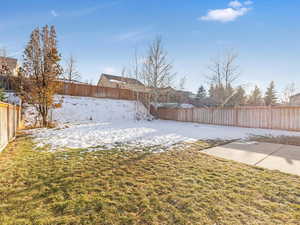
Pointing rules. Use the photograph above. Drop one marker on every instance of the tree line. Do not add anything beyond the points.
(237, 96)
(42, 67)
(223, 72)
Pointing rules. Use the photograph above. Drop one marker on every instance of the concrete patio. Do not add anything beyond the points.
(285, 158)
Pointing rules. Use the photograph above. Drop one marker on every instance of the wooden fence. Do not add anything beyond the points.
(86, 90)
(10, 121)
(276, 117)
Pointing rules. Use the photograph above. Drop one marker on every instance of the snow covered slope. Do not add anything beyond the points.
(84, 109)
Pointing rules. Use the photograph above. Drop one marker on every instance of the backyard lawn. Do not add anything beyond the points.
(126, 187)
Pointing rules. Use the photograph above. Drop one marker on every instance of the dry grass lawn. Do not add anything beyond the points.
(121, 187)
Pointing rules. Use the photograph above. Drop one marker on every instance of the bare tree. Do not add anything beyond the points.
(288, 92)
(71, 73)
(215, 76)
(230, 69)
(223, 72)
(157, 69)
(135, 71)
(40, 71)
(123, 71)
(182, 83)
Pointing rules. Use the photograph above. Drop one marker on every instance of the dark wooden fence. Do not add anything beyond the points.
(276, 117)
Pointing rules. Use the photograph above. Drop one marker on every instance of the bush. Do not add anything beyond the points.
(2, 95)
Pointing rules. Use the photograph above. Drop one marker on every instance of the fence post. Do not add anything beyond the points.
(236, 116)
(8, 131)
(270, 117)
(192, 115)
(212, 116)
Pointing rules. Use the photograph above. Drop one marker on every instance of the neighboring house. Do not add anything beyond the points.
(112, 81)
(295, 100)
(165, 95)
(172, 95)
(8, 66)
(205, 102)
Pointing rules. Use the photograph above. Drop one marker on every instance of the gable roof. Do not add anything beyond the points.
(127, 80)
(296, 95)
(12, 62)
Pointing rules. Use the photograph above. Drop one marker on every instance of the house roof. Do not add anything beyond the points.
(119, 79)
(12, 62)
(296, 95)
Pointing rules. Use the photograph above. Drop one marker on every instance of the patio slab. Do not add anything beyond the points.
(285, 158)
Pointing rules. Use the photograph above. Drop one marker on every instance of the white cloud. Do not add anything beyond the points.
(248, 2)
(224, 15)
(53, 13)
(235, 10)
(235, 4)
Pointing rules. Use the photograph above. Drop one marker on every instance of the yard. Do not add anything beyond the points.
(114, 169)
(137, 187)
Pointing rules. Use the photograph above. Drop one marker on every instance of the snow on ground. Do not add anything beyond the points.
(84, 109)
(158, 133)
(12, 98)
(104, 123)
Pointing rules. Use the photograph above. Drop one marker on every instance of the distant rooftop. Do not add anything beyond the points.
(127, 80)
(10, 61)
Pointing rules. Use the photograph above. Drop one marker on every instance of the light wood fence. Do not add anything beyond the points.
(276, 117)
(10, 121)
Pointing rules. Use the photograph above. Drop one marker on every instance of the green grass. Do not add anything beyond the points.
(122, 187)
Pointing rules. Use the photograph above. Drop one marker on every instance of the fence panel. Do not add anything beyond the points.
(10, 120)
(87, 90)
(277, 117)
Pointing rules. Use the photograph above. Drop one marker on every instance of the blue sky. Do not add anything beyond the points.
(103, 34)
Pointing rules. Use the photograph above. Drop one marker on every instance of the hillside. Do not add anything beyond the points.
(84, 109)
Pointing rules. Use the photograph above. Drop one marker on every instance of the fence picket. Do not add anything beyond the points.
(276, 117)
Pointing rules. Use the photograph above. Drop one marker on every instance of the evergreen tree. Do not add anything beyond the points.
(201, 94)
(219, 94)
(2, 95)
(270, 96)
(211, 91)
(255, 97)
(239, 97)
